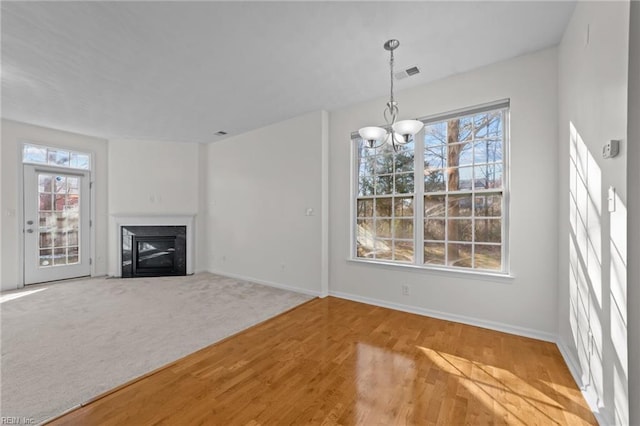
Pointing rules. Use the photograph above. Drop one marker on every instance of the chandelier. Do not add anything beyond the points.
(396, 133)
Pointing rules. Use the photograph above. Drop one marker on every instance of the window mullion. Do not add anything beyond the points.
(418, 201)
(473, 196)
(355, 192)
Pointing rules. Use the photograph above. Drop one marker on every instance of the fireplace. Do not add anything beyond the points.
(153, 251)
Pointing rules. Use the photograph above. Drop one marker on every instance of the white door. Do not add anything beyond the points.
(56, 228)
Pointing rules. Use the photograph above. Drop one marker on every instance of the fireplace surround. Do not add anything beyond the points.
(120, 221)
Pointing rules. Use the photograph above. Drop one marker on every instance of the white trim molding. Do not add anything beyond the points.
(575, 370)
(491, 325)
(267, 283)
(324, 237)
(120, 220)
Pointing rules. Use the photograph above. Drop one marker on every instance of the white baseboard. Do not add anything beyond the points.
(571, 361)
(268, 283)
(587, 391)
(505, 328)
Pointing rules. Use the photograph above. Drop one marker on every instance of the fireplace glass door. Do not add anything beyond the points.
(154, 255)
(153, 250)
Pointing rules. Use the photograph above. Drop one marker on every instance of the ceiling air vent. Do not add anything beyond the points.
(407, 72)
(220, 133)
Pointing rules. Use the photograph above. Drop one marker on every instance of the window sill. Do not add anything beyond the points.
(480, 275)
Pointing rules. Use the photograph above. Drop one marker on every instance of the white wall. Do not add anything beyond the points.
(13, 134)
(593, 81)
(525, 304)
(202, 260)
(151, 178)
(633, 197)
(260, 185)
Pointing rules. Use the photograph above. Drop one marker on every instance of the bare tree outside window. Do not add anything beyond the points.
(469, 150)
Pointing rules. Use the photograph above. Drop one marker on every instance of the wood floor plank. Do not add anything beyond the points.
(333, 361)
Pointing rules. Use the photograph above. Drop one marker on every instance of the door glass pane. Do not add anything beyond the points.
(45, 258)
(45, 202)
(59, 203)
(72, 235)
(46, 239)
(73, 185)
(60, 256)
(60, 239)
(44, 184)
(58, 230)
(72, 255)
(61, 185)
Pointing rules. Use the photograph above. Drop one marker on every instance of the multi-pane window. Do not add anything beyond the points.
(59, 219)
(385, 203)
(55, 157)
(440, 200)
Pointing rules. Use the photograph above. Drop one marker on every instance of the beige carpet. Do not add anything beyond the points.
(65, 343)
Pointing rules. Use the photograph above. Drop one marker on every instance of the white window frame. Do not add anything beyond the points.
(419, 194)
(89, 156)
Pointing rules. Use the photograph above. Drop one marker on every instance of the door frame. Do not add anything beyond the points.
(21, 213)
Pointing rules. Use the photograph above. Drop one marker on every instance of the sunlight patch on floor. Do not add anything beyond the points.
(492, 386)
(14, 296)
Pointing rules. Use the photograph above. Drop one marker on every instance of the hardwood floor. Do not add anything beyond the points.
(333, 361)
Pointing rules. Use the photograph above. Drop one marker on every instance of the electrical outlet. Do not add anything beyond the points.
(405, 289)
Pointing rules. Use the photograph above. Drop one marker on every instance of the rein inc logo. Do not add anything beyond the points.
(15, 420)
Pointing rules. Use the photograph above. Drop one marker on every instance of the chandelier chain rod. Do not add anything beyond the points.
(391, 75)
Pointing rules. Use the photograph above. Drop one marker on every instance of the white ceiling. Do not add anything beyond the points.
(182, 71)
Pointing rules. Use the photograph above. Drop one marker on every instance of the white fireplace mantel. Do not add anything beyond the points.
(120, 220)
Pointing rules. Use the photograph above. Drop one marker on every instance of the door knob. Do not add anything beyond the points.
(29, 231)
(29, 222)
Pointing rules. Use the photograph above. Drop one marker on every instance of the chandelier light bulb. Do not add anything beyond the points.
(407, 128)
(372, 134)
